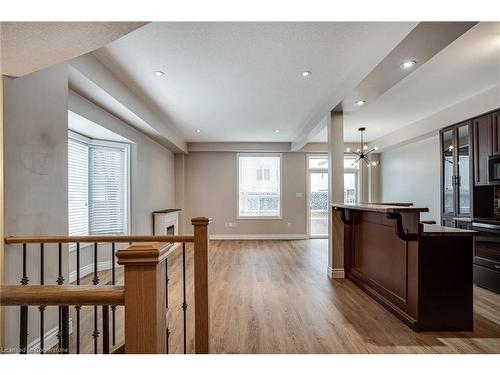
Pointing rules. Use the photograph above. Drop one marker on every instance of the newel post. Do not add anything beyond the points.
(201, 263)
(145, 297)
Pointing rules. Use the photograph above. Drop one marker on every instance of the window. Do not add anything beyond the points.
(98, 174)
(259, 185)
(318, 162)
(351, 170)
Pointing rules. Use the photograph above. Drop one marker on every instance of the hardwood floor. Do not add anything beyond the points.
(275, 297)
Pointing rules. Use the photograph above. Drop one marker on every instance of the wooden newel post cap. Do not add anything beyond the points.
(147, 254)
(201, 221)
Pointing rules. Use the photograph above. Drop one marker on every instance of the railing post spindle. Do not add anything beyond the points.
(59, 281)
(184, 304)
(105, 329)
(42, 308)
(78, 308)
(64, 349)
(113, 282)
(95, 281)
(23, 319)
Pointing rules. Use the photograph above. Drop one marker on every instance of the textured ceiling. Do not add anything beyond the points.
(241, 81)
(31, 46)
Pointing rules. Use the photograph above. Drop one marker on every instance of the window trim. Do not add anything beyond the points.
(128, 178)
(258, 154)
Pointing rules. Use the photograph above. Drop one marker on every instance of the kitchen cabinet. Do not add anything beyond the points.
(496, 132)
(456, 166)
(483, 147)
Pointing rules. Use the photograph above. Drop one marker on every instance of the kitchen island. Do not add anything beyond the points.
(421, 273)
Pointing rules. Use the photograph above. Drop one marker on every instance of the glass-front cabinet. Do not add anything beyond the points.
(456, 179)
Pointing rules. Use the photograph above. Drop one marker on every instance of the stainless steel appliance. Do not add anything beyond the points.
(487, 253)
(494, 169)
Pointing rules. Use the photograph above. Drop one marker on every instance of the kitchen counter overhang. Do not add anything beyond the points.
(421, 273)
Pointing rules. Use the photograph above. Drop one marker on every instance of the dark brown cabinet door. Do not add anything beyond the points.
(448, 192)
(483, 147)
(496, 132)
(463, 162)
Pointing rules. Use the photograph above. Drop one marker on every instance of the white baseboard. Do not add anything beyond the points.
(259, 237)
(50, 339)
(336, 273)
(89, 268)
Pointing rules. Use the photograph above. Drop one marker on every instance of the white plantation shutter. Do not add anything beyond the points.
(78, 188)
(107, 190)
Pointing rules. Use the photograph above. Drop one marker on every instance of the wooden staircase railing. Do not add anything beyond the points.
(144, 293)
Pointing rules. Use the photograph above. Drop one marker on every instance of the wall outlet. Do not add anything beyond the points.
(225, 224)
(299, 195)
(289, 225)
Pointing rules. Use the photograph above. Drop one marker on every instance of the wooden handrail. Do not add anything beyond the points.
(91, 239)
(144, 293)
(61, 295)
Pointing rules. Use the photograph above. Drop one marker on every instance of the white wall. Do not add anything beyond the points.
(411, 173)
(211, 190)
(35, 151)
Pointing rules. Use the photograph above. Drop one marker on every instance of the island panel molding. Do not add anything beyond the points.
(406, 266)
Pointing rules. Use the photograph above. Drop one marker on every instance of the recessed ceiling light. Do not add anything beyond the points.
(276, 130)
(408, 64)
(159, 73)
(198, 131)
(361, 102)
(306, 73)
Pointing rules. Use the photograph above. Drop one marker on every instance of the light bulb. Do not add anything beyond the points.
(374, 163)
(408, 64)
(375, 148)
(365, 147)
(358, 150)
(348, 149)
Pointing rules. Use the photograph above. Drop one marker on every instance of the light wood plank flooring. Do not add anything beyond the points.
(275, 297)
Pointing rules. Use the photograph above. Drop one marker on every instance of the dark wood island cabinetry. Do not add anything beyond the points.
(421, 273)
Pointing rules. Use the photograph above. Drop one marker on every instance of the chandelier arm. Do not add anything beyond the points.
(368, 152)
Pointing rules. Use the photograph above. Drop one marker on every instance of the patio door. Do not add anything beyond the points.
(318, 196)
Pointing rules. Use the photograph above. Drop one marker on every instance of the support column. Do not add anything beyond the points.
(335, 124)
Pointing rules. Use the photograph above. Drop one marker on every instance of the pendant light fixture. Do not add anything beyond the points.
(362, 152)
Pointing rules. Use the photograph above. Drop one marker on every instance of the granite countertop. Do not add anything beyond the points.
(384, 208)
(440, 231)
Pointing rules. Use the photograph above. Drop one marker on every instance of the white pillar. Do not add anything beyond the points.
(335, 124)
